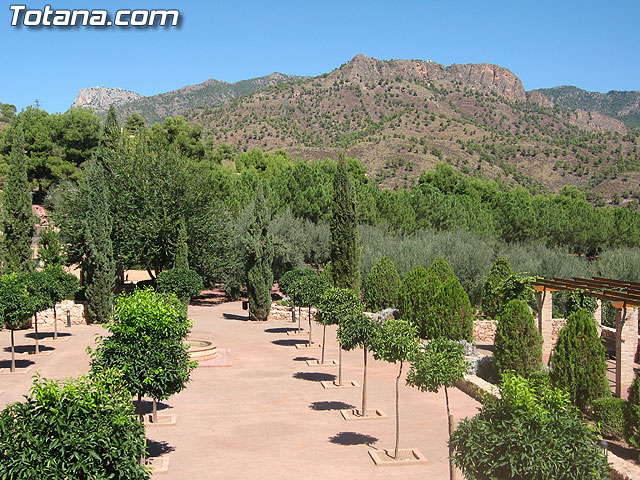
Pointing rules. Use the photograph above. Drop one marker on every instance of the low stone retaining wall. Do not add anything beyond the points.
(283, 313)
(484, 331)
(78, 312)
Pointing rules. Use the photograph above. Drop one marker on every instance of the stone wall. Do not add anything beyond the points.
(283, 313)
(78, 313)
(484, 331)
(558, 323)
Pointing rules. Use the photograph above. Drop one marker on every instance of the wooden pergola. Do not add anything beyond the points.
(625, 298)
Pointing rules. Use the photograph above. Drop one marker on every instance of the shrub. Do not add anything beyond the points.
(516, 286)
(184, 283)
(610, 414)
(415, 295)
(450, 314)
(82, 428)
(518, 343)
(578, 361)
(530, 433)
(441, 269)
(381, 286)
(633, 425)
(500, 270)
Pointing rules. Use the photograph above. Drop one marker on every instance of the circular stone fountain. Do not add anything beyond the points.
(201, 350)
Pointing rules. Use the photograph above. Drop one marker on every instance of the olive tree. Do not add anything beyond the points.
(397, 342)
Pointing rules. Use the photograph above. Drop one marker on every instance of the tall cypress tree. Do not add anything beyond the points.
(18, 220)
(99, 266)
(111, 131)
(345, 245)
(259, 258)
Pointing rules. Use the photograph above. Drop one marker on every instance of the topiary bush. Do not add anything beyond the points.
(610, 415)
(182, 282)
(518, 343)
(531, 433)
(450, 314)
(633, 424)
(491, 300)
(81, 428)
(578, 361)
(415, 295)
(441, 269)
(381, 286)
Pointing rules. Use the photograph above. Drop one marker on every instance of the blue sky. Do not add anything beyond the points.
(591, 44)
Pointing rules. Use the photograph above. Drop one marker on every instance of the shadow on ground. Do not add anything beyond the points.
(314, 376)
(19, 363)
(290, 342)
(209, 298)
(303, 359)
(147, 406)
(353, 438)
(280, 330)
(233, 316)
(30, 349)
(330, 406)
(46, 335)
(157, 449)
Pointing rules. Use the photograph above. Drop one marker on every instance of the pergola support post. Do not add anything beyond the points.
(598, 316)
(545, 322)
(626, 347)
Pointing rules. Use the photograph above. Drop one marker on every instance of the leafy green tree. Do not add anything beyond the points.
(146, 345)
(184, 283)
(16, 306)
(345, 245)
(381, 286)
(288, 284)
(359, 331)
(517, 286)
(17, 218)
(438, 364)
(50, 249)
(531, 432)
(337, 306)
(80, 428)
(36, 282)
(99, 266)
(450, 314)
(308, 291)
(259, 258)
(134, 124)
(111, 134)
(397, 342)
(500, 270)
(578, 363)
(441, 269)
(518, 343)
(58, 285)
(78, 135)
(181, 260)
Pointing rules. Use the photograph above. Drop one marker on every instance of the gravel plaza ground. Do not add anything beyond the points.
(267, 415)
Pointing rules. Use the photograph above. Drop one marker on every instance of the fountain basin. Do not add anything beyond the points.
(201, 350)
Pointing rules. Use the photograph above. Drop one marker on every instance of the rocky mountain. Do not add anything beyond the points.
(623, 106)
(99, 98)
(401, 117)
(156, 108)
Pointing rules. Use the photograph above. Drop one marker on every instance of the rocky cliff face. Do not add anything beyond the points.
(480, 76)
(100, 98)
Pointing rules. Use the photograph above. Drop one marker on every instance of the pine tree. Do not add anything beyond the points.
(181, 259)
(578, 363)
(345, 245)
(259, 258)
(381, 286)
(18, 219)
(518, 343)
(500, 270)
(99, 266)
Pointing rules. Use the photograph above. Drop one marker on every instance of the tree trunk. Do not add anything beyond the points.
(13, 354)
(363, 412)
(35, 325)
(55, 323)
(154, 414)
(299, 316)
(309, 327)
(324, 337)
(293, 314)
(340, 366)
(395, 455)
(140, 408)
(452, 468)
